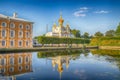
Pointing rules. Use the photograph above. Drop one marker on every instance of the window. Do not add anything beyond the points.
(20, 60)
(27, 27)
(12, 60)
(20, 34)
(21, 26)
(12, 43)
(11, 69)
(27, 59)
(27, 43)
(4, 24)
(3, 33)
(20, 43)
(26, 67)
(27, 34)
(3, 42)
(12, 33)
(20, 68)
(12, 25)
(2, 70)
(3, 61)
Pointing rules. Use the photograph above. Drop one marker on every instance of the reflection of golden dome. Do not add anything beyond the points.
(60, 69)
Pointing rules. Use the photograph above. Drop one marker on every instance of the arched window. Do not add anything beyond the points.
(20, 60)
(26, 59)
(3, 43)
(27, 27)
(12, 33)
(12, 25)
(12, 60)
(21, 26)
(11, 69)
(20, 68)
(20, 43)
(20, 34)
(3, 33)
(4, 24)
(3, 61)
(27, 67)
(12, 43)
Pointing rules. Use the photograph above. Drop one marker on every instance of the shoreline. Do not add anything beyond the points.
(110, 47)
(6, 50)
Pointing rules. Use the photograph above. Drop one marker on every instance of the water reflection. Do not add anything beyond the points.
(61, 65)
(14, 64)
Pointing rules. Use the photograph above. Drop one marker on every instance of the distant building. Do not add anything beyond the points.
(60, 30)
(15, 32)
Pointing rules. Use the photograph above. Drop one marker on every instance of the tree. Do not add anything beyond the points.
(75, 32)
(98, 34)
(110, 33)
(117, 32)
(86, 35)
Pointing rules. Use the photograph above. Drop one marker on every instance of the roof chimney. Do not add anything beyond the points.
(14, 15)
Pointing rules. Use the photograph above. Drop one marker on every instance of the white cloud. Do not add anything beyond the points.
(78, 14)
(83, 8)
(81, 12)
(101, 12)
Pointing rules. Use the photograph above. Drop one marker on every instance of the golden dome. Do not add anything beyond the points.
(61, 20)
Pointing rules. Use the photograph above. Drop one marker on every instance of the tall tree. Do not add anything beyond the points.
(110, 33)
(117, 32)
(98, 34)
(75, 32)
(86, 35)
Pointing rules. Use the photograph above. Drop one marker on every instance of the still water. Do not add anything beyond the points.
(61, 65)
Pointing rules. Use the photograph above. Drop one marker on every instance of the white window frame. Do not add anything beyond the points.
(27, 27)
(21, 60)
(26, 59)
(27, 34)
(11, 69)
(4, 23)
(20, 36)
(27, 44)
(12, 25)
(4, 59)
(13, 33)
(2, 43)
(20, 26)
(20, 68)
(27, 67)
(2, 33)
(21, 43)
(12, 60)
(13, 43)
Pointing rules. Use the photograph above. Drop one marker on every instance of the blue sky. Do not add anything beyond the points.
(85, 15)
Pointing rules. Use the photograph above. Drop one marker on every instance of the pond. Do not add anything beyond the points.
(61, 65)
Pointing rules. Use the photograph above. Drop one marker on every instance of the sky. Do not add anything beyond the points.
(85, 15)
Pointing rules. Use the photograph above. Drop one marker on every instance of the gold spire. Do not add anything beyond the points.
(61, 20)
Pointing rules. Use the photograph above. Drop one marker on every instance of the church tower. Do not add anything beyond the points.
(60, 21)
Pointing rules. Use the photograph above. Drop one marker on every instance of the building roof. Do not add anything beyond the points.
(14, 18)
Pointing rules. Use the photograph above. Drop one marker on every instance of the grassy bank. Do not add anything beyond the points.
(105, 41)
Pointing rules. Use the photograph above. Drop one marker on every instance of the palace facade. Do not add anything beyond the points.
(15, 32)
(60, 30)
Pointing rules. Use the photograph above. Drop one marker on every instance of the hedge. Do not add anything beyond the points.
(56, 40)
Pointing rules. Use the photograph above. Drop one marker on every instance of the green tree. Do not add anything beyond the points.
(75, 32)
(117, 32)
(86, 35)
(98, 34)
(110, 33)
